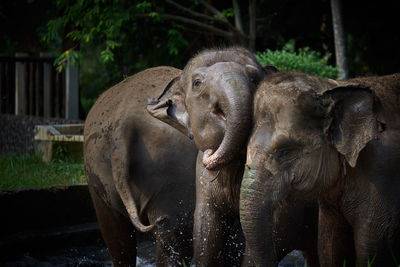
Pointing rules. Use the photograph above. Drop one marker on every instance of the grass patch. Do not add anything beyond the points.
(21, 171)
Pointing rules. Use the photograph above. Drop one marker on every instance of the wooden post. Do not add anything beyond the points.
(58, 95)
(10, 72)
(20, 85)
(31, 89)
(46, 86)
(37, 89)
(71, 91)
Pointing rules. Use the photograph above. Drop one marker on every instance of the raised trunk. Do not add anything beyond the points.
(256, 217)
(236, 105)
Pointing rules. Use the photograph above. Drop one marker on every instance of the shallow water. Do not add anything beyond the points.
(97, 255)
(87, 255)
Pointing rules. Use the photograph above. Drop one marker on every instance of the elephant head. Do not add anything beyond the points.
(306, 130)
(211, 101)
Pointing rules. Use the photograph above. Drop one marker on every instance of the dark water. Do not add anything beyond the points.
(89, 250)
(87, 255)
(97, 255)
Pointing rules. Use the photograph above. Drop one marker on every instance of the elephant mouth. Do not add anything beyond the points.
(219, 113)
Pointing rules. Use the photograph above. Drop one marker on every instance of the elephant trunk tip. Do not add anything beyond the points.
(213, 160)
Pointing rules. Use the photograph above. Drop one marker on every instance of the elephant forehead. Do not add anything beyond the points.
(221, 67)
(269, 103)
(278, 115)
(230, 78)
(288, 86)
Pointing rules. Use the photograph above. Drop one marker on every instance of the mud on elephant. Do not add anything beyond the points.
(140, 172)
(336, 142)
(213, 102)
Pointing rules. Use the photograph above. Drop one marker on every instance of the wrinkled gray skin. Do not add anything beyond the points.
(140, 171)
(213, 97)
(336, 142)
(212, 103)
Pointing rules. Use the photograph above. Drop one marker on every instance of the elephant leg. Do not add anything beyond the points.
(234, 242)
(247, 260)
(310, 235)
(208, 236)
(172, 255)
(335, 238)
(218, 239)
(162, 255)
(216, 230)
(174, 244)
(311, 256)
(117, 231)
(371, 247)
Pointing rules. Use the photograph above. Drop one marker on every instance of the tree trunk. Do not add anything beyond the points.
(238, 18)
(340, 47)
(252, 25)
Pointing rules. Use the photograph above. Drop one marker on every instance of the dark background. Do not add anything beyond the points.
(371, 31)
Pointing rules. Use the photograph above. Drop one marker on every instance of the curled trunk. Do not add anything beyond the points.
(236, 105)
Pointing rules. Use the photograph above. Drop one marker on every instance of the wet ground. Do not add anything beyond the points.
(77, 246)
(88, 255)
(34, 231)
(86, 248)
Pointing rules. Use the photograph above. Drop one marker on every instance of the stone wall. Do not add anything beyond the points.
(17, 131)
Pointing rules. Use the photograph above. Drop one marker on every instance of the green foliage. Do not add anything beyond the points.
(62, 59)
(113, 39)
(229, 12)
(21, 171)
(91, 20)
(105, 23)
(371, 261)
(87, 104)
(303, 60)
(175, 39)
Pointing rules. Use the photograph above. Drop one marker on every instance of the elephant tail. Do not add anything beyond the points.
(145, 228)
(120, 171)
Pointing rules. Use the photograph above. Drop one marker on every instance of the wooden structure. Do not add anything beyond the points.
(48, 137)
(31, 86)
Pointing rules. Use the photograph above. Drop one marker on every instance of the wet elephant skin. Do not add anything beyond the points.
(212, 101)
(335, 142)
(140, 171)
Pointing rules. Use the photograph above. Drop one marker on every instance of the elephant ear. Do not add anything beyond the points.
(170, 108)
(352, 119)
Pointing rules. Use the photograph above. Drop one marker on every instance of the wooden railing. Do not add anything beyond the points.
(32, 86)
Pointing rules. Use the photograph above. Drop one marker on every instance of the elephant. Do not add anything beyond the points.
(335, 142)
(140, 172)
(212, 103)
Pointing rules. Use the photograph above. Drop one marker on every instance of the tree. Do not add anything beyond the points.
(105, 21)
(340, 47)
(223, 27)
(140, 34)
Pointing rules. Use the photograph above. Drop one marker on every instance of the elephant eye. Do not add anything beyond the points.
(281, 153)
(196, 83)
(286, 149)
